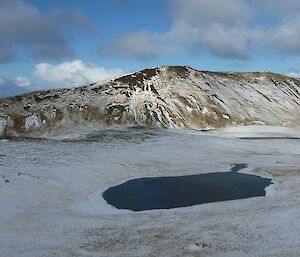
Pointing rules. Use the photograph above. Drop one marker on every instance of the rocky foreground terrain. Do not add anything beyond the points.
(171, 96)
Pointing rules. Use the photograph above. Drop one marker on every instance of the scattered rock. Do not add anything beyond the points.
(27, 106)
(203, 245)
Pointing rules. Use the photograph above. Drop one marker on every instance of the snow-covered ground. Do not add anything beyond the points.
(256, 131)
(51, 204)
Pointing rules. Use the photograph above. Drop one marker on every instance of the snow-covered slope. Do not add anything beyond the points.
(172, 96)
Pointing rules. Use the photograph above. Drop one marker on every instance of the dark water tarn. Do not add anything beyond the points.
(182, 191)
(270, 138)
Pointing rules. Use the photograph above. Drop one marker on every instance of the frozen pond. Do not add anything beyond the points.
(182, 191)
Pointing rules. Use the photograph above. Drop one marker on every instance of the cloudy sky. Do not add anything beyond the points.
(63, 43)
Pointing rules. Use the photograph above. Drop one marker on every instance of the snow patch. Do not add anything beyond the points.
(262, 78)
(32, 123)
(3, 124)
(256, 131)
(225, 116)
(189, 109)
(205, 110)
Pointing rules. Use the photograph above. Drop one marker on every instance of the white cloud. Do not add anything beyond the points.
(199, 13)
(41, 35)
(74, 73)
(225, 28)
(287, 9)
(11, 86)
(139, 45)
(294, 75)
(22, 81)
(197, 25)
(284, 37)
(219, 26)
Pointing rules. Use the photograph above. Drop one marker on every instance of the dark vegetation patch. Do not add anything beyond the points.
(18, 98)
(216, 96)
(101, 87)
(59, 115)
(115, 108)
(180, 71)
(41, 97)
(153, 89)
(263, 95)
(137, 79)
(18, 121)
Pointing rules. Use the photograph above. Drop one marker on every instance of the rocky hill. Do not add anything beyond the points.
(168, 97)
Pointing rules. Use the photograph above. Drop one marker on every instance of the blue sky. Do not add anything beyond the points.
(61, 43)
